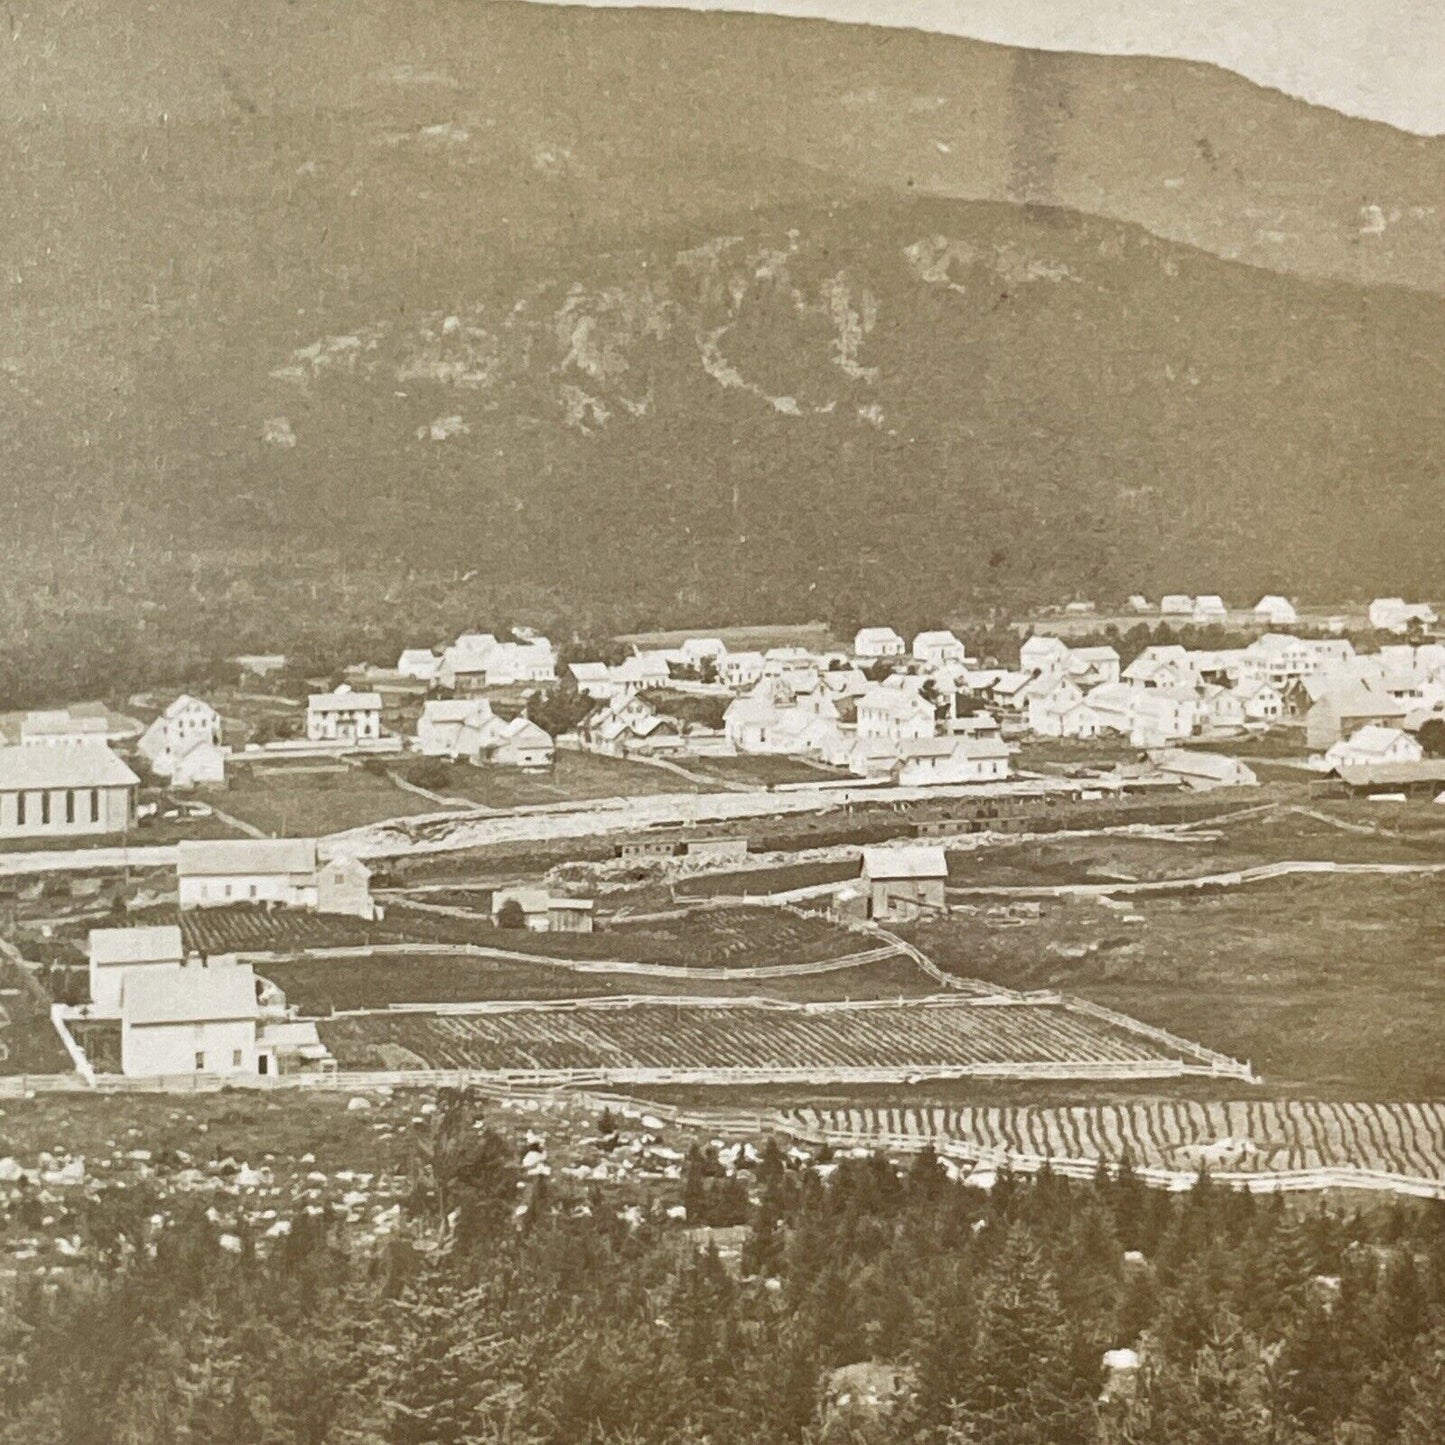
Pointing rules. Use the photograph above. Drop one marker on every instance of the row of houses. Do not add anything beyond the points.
(1386, 614)
(479, 660)
(1169, 693)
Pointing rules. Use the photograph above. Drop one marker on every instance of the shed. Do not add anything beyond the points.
(719, 849)
(569, 915)
(904, 882)
(646, 848)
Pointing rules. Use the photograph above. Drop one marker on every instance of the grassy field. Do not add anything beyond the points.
(28, 1041)
(321, 986)
(1332, 985)
(778, 878)
(302, 801)
(574, 777)
(1246, 843)
(760, 769)
(742, 937)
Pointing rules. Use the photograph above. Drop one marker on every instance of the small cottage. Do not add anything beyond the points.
(904, 883)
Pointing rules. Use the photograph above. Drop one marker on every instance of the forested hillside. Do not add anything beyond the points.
(560, 1315)
(732, 319)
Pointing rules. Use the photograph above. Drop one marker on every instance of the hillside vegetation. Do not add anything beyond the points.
(378, 328)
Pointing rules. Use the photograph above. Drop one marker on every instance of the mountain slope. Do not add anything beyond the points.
(704, 315)
(906, 409)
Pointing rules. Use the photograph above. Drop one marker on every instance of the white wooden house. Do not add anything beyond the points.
(903, 883)
(934, 649)
(112, 952)
(419, 663)
(1374, 744)
(184, 744)
(1275, 611)
(62, 728)
(343, 716)
(1262, 701)
(1041, 653)
(895, 715)
(741, 669)
(871, 644)
(191, 1017)
(952, 760)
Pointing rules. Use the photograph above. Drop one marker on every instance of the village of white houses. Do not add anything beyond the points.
(621, 819)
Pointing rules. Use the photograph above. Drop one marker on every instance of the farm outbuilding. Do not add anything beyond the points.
(569, 915)
(717, 849)
(904, 883)
(642, 849)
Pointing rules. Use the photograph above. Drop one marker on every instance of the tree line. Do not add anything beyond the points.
(530, 1310)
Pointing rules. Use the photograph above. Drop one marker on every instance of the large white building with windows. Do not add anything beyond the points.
(215, 873)
(343, 716)
(82, 790)
(191, 1018)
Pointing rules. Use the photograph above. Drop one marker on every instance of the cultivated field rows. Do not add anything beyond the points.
(1248, 1136)
(654, 1040)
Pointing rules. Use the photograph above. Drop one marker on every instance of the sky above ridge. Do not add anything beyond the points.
(1380, 59)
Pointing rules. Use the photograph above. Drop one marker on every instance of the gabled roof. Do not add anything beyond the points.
(62, 724)
(895, 701)
(240, 857)
(969, 749)
(1373, 738)
(1188, 763)
(340, 701)
(83, 765)
(869, 636)
(440, 711)
(189, 993)
(523, 732)
(184, 702)
(911, 862)
(112, 946)
(939, 638)
(1353, 699)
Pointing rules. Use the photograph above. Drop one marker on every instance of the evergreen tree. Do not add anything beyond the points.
(1023, 1390)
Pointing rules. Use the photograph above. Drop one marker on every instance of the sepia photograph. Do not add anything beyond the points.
(722, 722)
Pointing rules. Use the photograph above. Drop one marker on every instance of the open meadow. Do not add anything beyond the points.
(323, 986)
(574, 777)
(312, 799)
(1333, 984)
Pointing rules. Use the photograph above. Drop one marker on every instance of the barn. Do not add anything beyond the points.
(903, 883)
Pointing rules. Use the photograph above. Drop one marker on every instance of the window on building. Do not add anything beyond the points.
(200, 1061)
(20, 810)
(70, 805)
(95, 805)
(235, 1058)
(44, 808)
